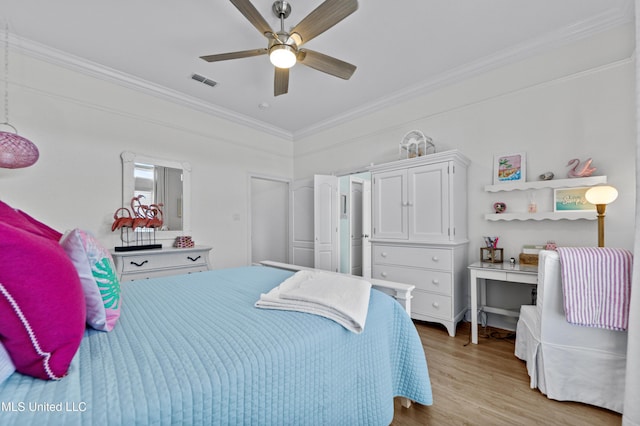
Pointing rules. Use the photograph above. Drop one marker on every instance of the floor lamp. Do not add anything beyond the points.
(601, 196)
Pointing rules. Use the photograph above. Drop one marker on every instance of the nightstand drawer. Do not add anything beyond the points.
(422, 257)
(423, 279)
(162, 261)
(430, 304)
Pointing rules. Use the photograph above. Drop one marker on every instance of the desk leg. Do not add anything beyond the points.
(474, 306)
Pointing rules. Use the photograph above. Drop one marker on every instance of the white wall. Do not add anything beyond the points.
(82, 124)
(573, 101)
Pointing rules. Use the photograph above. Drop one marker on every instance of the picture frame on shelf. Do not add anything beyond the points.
(572, 199)
(509, 168)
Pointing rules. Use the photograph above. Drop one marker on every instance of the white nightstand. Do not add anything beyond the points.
(142, 264)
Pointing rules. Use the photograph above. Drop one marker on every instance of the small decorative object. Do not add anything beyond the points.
(491, 255)
(546, 176)
(512, 261)
(580, 171)
(415, 144)
(491, 242)
(509, 168)
(499, 207)
(15, 151)
(532, 207)
(141, 219)
(571, 199)
(184, 242)
(550, 245)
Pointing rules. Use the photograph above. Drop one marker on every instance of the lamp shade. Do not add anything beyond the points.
(601, 194)
(16, 152)
(282, 56)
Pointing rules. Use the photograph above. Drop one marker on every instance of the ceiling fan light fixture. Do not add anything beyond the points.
(282, 56)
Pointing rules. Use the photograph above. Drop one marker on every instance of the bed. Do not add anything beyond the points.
(193, 349)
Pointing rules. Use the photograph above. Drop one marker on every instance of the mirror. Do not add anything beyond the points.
(159, 182)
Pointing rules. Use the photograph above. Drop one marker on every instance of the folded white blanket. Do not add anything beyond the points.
(341, 298)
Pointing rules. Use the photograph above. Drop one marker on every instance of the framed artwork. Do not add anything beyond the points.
(571, 199)
(510, 168)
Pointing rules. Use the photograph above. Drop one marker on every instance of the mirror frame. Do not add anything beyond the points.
(128, 185)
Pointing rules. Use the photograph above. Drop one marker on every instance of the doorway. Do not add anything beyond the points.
(269, 207)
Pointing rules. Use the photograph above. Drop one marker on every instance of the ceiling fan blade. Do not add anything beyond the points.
(324, 17)
(234, 55)
(251, 13)
(281, 81)
(326, 64)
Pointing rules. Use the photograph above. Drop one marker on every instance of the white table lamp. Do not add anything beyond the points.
(601, 196)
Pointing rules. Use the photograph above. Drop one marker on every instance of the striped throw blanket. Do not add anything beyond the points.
(596, 283)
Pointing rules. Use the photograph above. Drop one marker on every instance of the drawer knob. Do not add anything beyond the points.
(139, 264)
(435, 305)
(383, 254)
(192, 259)
(383, 274)
(435, 258)
(435, 281)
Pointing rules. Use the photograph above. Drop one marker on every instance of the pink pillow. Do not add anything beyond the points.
(22, 220)
(98, 276)
(42, 309)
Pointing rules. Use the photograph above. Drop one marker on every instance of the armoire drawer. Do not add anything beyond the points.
(423, 279)
(434, 305)
(421, 257)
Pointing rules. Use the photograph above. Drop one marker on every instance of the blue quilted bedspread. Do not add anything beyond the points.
(193, 349)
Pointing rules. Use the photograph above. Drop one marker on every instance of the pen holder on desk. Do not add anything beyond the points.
(491, 255)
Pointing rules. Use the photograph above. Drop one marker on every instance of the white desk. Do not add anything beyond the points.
(481, 271)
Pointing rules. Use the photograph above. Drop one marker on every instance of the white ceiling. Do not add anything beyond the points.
(400, 48)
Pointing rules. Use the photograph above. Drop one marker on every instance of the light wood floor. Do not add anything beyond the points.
(486, 384)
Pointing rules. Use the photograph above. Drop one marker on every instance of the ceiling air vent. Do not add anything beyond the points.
(203, 79)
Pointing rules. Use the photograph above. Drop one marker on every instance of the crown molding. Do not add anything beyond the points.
(581, 30)
(93, 69)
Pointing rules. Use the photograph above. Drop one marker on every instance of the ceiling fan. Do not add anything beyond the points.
(284, 47)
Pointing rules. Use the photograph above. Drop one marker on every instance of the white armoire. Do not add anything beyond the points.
(419, 221)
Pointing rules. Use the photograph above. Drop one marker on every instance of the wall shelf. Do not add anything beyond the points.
(545, 184)
(540, 184)
(591, 215)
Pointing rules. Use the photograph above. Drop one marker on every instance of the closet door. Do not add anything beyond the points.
(390, 221)
(326, 206)
(301, 226)
(428, 202)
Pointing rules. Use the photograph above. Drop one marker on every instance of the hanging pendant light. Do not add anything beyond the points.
(15, 151)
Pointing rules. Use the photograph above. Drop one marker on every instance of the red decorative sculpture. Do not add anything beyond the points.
(140, 215)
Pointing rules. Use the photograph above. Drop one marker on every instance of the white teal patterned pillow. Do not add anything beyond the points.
(6, 365)
(98, 276)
